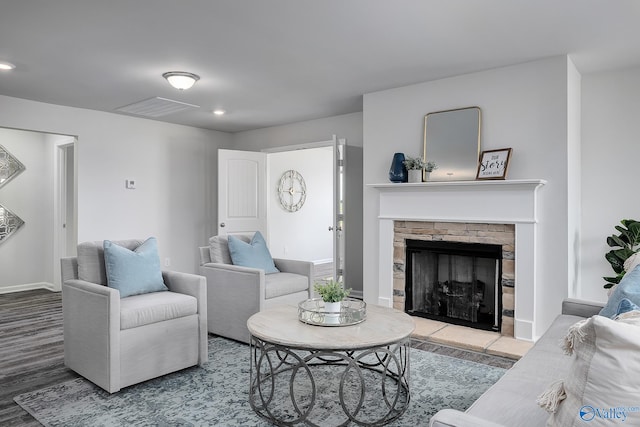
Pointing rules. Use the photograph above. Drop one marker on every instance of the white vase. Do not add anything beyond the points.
(415, 175)
(332, 310)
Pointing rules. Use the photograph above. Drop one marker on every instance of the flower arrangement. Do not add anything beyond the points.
(417, 163)
(331, 291)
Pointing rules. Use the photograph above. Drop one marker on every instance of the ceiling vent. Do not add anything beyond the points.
(156, 107)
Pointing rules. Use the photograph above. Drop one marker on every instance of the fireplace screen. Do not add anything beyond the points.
(454, 282)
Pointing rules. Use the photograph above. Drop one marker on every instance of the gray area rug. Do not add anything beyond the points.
(217, 394)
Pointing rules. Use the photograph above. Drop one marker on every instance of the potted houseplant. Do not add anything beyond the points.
(624, 245)
(415, 166)
(332, 293)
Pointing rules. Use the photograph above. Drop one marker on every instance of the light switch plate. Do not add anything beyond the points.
(130, 184)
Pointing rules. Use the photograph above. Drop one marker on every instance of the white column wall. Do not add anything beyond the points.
(610, 153)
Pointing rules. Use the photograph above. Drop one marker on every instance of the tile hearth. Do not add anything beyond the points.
(469, 338)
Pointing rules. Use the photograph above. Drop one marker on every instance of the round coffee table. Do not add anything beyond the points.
(319, 376)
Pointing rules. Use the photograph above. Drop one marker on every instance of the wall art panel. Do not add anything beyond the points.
(9, 223)
(10, 167)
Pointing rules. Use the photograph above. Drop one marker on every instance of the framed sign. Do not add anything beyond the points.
(494, 164)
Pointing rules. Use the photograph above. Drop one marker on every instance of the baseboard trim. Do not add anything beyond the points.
(29, 287)
(356, 294)
(385, 302)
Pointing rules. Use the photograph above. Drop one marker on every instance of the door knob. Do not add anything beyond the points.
(330, 228)
(222, 224)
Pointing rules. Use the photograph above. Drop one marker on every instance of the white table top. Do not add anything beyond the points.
(281, 326)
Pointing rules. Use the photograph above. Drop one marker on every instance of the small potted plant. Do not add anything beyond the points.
(332, 293)
(415, 166)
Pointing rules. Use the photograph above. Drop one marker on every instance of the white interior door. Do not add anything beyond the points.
(242, 204)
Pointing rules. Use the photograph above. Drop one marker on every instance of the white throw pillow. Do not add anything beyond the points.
(604, 379)
(631, 262)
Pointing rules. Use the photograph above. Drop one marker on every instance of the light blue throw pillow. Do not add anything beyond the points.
(133, 272)
(629, 288)
(254, 254)
(626, 306)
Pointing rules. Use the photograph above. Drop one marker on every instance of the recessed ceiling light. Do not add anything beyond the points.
(219, 112)
(6, 66)
(181, 79)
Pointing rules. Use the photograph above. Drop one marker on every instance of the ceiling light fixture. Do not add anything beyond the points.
(181, 79)
(6, 66)
(219, 112)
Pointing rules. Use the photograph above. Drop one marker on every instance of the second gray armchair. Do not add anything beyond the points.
(235, 293)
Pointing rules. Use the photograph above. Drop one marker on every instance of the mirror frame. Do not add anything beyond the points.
(475, 144)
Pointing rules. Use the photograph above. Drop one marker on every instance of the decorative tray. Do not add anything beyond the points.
(313, 311)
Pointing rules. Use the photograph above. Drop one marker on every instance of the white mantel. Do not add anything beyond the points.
(500, 202)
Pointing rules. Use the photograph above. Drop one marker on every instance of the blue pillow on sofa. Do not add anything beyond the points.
(133, 272)
(629, 288)
(254, 254)
(626, 306)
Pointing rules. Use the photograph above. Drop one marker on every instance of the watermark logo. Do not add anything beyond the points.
(587, 413)
(618, 413)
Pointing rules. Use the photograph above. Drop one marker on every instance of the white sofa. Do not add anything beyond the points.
(511, 401)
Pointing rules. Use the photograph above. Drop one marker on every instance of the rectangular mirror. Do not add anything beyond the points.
(452, 140)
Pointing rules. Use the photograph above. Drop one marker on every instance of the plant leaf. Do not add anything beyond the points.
(634, 233)
(623, 253)
(628, 241)
(616, 264)
(614, 241)
(624, 233)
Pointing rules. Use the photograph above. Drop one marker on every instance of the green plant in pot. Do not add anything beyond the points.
(415, 166)
(332, 293)
(625, 244)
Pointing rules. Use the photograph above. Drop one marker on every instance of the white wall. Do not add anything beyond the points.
(174, 167)
(347, 126)
(26, 257)
(524, 107)
(610, 153)
(303, 234)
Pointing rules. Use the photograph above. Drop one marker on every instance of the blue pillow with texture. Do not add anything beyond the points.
(133, 272)
(625, 306)
(628, 288)
(254, 254)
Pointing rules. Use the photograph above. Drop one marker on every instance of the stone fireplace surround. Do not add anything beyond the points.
(509, 202)
(498, 234)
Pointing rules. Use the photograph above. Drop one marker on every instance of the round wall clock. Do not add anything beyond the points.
(292, 191)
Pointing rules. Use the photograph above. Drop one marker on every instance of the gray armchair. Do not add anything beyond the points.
(235, 293)
(116, 342)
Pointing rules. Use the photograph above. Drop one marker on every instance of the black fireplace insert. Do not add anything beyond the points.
(454, 282)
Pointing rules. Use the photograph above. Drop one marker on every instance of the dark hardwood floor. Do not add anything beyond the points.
(31, 349)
